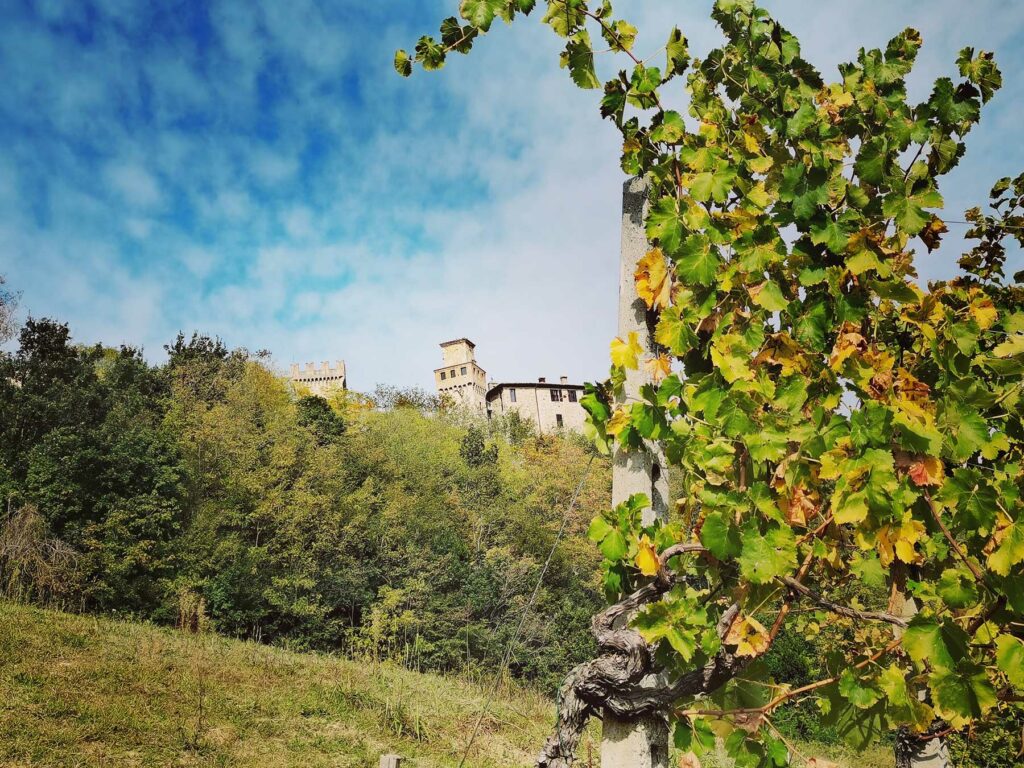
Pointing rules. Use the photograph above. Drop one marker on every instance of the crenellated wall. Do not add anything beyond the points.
(320, 380)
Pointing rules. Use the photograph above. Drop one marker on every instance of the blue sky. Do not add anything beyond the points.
(256, 170)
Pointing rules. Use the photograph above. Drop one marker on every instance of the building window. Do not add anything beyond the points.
(463, 370)
(572, 395)
(556, 395)
(558, 420)
(511, 395)
(442, 375)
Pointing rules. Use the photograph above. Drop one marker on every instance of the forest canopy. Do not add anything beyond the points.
(208, 490)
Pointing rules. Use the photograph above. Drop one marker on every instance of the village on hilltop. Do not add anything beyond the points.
(551, 406)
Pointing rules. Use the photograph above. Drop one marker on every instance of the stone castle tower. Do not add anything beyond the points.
(320, 381)
(460, 378)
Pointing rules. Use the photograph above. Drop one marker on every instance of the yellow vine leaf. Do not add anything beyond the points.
(625, 354)
(760, 164)
(927, 470)
(913, 391)
(984, 312)
(800, 505)
(749, 636)
(658, 367)
(849, 342)
(689, 760)
(783, 351)
(653, 280)
(897, 541)
(618, 422)
(647, 557)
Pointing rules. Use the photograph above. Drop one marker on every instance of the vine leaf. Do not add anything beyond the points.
(653, 280)
(957, 588)
(658, 367)
(480, 13)
(697, 262)
(1010, 550)
(626, 354)
(806, 190)
(713, 185)
(676, 53)
(769, 556)
(579, 58)
(665, 223)
(720, 536)
(403, 64)
(769, 296)
(908, 209)
(963, 694)
(1010, 658)
(942, 645)
(647, 557)
(927, 470)
(749, 636)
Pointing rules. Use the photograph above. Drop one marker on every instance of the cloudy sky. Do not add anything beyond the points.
(256, 170)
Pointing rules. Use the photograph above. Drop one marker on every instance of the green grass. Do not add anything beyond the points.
(86, 691)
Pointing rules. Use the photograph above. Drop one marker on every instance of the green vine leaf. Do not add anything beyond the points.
(1010, 657)
(579, 58)
(480, 13)
(769, 556)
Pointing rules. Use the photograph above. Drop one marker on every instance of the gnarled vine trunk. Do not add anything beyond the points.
(613, 681)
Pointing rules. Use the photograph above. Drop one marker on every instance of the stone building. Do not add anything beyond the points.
(550, 406)
(320, 381)
(460, 379)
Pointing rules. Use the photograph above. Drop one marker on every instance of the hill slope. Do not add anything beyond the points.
(86, 692)
(82, 691)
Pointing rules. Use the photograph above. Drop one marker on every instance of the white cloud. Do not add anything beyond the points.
(200, 261)
(272, 168)
(137, 227)
(136, 185)
(231, 204)
(298, 222)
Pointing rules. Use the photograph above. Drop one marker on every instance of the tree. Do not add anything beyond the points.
(850, 443)
(83, 444)
(316, 414)
(8, 304)
(389, 397)
(474, 450)
(45, 386)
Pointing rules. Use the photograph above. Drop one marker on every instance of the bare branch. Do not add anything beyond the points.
(785, 696)
(953, 542)
(842, 610)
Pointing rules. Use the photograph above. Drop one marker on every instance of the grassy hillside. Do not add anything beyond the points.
(85, 691)
(82, 691)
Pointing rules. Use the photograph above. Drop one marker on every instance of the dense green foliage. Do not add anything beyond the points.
(834, 424)
(207, 486)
